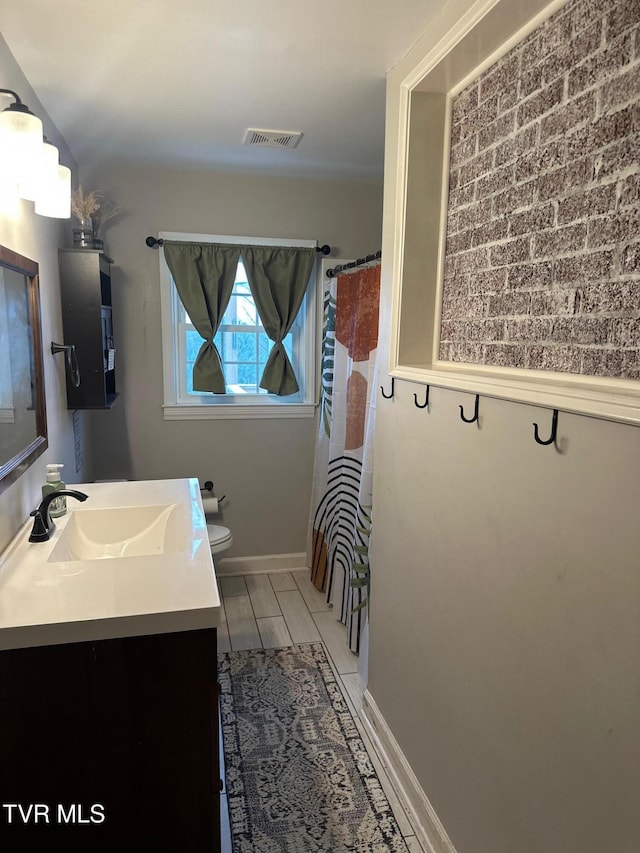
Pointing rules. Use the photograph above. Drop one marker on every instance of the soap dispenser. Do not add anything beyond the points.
(58, 506)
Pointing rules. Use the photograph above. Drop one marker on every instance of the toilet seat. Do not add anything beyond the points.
(220, 538)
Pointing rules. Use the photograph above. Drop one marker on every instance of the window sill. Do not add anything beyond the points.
(215, 411)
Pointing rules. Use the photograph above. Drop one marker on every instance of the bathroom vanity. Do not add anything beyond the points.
(108, 689)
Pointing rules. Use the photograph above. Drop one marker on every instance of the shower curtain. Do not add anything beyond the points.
(340, 522)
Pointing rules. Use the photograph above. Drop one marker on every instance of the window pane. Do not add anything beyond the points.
(231, 376)
(225, 343)
(194, 342)
(244, 346)
(247, 376)
(265, 345)
(241, 311)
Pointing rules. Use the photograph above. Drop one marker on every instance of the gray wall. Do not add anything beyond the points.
(505, 620)
(38, 238)
(264, 466)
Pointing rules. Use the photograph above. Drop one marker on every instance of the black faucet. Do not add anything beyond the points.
(43, 525)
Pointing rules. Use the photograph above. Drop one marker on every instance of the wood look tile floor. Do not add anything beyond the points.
(273, 610)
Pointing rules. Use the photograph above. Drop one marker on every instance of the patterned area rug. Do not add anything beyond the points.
(299, 779)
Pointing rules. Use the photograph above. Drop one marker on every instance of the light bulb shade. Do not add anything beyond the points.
(54, 197)
(45, 173)
(20, 141)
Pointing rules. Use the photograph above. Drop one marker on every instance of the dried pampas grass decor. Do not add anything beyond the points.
(93, 211)
(105, 213)
(84, 207)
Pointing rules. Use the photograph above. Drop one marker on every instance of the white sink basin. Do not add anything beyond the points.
(133, 560)
(133, 531)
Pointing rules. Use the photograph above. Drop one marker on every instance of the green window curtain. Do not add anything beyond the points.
(204, 275)
(278, 278)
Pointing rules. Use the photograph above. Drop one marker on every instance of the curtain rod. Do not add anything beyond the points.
(154, 242)
(341, 267)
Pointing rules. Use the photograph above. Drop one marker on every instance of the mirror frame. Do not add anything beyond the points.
(18, 464)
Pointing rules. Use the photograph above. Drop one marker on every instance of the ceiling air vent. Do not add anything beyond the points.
(272, 138)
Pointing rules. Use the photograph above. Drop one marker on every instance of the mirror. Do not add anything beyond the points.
(23, 419)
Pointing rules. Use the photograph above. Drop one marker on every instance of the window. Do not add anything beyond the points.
(242, 344)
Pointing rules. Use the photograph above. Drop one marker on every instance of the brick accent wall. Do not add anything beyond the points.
(542, 262)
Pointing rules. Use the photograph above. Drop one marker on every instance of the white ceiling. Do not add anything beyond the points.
(178, 82)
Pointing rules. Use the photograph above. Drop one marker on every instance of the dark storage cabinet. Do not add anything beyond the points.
(85, 288)
(118, 739)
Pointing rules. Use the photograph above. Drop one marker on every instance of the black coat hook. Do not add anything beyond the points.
(554, 430)
(426, 400)
(388, 396)
(475, 412)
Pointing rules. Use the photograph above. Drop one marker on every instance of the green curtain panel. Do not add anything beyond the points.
(278, 278)
(204, 276)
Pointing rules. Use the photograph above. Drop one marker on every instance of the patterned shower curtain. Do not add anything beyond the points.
(340, 522)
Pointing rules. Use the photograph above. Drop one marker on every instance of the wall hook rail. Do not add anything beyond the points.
(475, 412)
(554, 430)
(389, 396)
(426, 400)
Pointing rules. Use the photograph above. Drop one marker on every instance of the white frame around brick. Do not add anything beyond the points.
(488, 31)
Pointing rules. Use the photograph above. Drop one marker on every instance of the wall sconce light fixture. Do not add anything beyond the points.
(29, 163)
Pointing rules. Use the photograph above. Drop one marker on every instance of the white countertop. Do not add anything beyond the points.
(47, 603)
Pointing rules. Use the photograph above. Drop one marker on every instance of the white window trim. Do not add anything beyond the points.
(230, 407)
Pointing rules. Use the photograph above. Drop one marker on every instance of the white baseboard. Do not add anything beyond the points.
(430, 832)
(260, 564)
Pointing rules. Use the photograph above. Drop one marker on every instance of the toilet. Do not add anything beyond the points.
(220, 538)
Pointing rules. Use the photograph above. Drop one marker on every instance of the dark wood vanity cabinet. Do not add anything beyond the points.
(85, 290)
(118, 739)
